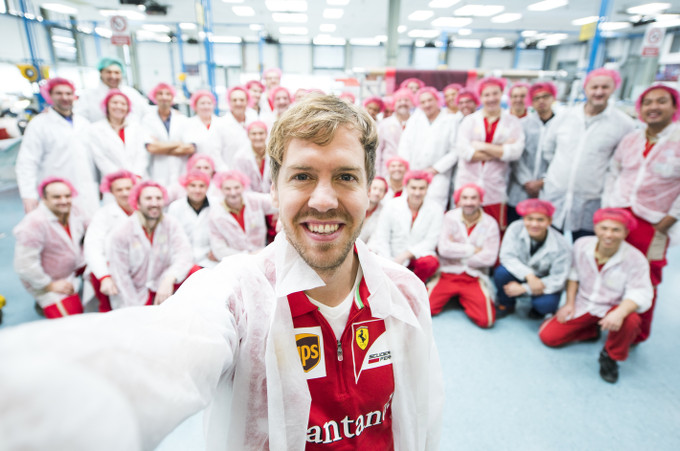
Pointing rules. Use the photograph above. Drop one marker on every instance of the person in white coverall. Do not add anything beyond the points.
(230, 129)
(281, 99)
(451, 99)
(234, 335)
(252, 160)
(376, 194)
(48, 149)
(391, 129)
(579, 146)
(48, 255)
(111, 73)
(203, 103)
(519, 99)
(467, 102)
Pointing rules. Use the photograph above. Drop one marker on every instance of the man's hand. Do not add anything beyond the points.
(613, 320)
(479, 145)
(401, 258)
(533, 188)
(184, 149)
(212, 257)
(514, 289)
(30, 205)
(661, 226)
(535, 284)
(565, 313)
(165, 290)
(480, 155)
(108, 288)
(432, 171)
(61, 286)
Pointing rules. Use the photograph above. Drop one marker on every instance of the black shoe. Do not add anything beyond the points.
(535, 314)
(609, 369)
(504, 310)
(39, 310)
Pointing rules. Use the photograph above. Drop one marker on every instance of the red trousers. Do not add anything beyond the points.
(474, 299)
(70, 305)
(553, 333)
(500, 213)
(175, 287)
(654, 246)
(104, 302)
(424, 267)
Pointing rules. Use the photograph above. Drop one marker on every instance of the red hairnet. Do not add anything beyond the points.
(198, 94)
(195, 158)
(221, 177)
(484, 82)
(255, 124)
(377, 100)
(529, 206)
(459, 191)
(466, 93)
(114, 92)
(158, 87)
(602, 72)
(136, 191)
(404, 93)
(400, 160)
(542, 86)
(428, 90)
(675, 96)
(272, 69)
(456, 86)
(349, 96)
(105, 185)
(382, 179)
(404, 84)
(238, 88)
(417, 175)
(47, 87)
(50, 180)
(616, 214)
(193, 176)
(521, 84)
(255, 82)
(272, 95)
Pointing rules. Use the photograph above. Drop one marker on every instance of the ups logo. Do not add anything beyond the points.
(308, 349)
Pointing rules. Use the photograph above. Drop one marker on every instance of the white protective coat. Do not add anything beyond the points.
(166, 169)
(624, 276)
(551, 262)
(137, 266)
(532, 164)
(493, 175)
(226, 337)
(456, 249)
(394, 233)
(231, 136)
(579, 149)
(44, 252)
(370, 224)
(389, 135)
(226, 235)
(104, 221)
(426, 144)
(245, 162)
(206, 139)
(196, 228)
(650, 186)
(89, 103)
(111, 154)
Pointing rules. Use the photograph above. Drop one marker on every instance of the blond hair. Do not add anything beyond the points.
(317, 119)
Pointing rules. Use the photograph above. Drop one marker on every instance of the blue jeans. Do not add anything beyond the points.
(544, 304)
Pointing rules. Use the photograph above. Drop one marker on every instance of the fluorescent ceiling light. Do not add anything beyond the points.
(479, 10)
(84, 29)
(667, 23)
(187, 26)
(293, 40)
(467, 43)
(648, 8)
(420, 43)
(495, 42)
(233, 1)
(381, 38)
(333, 13)
(529, 33)
(547, 5)
(289, 17)
(299, 6)
(547, 43)
(65, 47)
(146, 35)
(613, 26)
(426, 34)
(324, 39)
(556, 36)
(585, 20)
(442, 3)
(402, 28)
(59, 8)
(103, 32)
(132, 15)
(255, 26)
(226, 39)
(327, 27)
(451, 22)
(506, 18)
(420, 15)
(364, 41)
(464, 32)
(243, 11)
(158, 28)
(338, 2)
(63, 39)
(300, 31)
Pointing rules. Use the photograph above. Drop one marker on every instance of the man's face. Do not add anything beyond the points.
(610, 234)
(402, 105)
(377, 191)
(203, 166)
(373, 109)
(164, 99)
(537, 224)
(258, 137)
(232, 190)
(238, 101)
(469, 201)
(111, 76)
(416, 191)
(429, 104)
(57, 198)
(121, 190)
(62, 98)
(255, 93)
(396, 169)
(117, 108)
(150, 203)
(413, 86)
(598, 91)
(196, 191)
(322, 196)
(271, 80)
(450, 98)
(281, 101)
(491, 98)
(657, 108)
(518, 98)
(542, 102)
(205, 106)
(467, 106)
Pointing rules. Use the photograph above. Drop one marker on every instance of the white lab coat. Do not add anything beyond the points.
(579, 149)
(137, 266)
(532, 164)
(44, 252)
(89, 103)
(196, 228)
(104, 221)
(456, 248)
(166, 169)
(493, 175)
(226, 337)
(230, 137)
(650, 186)
(370, 224)
(111, 154)
(424, 144)
(550, 263)
(624, 276)
(226, 235)
(395, 234)
(206, 139)
(389, 135)
(245, 162)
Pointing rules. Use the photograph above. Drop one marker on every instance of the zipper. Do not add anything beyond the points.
(339, 351)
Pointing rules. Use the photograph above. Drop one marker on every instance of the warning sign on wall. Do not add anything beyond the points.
(651, 43)
(119, 31)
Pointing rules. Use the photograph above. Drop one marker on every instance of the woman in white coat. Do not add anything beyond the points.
(203, 103)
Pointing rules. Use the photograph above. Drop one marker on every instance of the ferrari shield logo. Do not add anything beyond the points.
(361, 337)
(309, 351)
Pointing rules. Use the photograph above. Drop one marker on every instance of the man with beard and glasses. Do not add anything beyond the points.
(312, 342)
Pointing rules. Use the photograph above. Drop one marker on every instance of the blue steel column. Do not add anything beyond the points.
(595, 59)
(444, 39)
(207, 42)
(182, 66)
(35, 61)
(260, 54)
(515, 61)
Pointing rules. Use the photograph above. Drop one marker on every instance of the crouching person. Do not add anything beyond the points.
(609, 285)
(468, 247)
(48, 257)
(535, 260)
(149, 253)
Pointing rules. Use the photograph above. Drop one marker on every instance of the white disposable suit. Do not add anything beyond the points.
(231, 137)
(245, 162)
(104, 221)
(196, 228)
(89, 103)
(389, 135)
(111, 154)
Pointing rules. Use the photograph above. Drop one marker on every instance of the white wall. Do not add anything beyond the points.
(462, 59)
(496, 59)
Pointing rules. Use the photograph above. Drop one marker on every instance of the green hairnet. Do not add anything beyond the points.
(106, 62)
